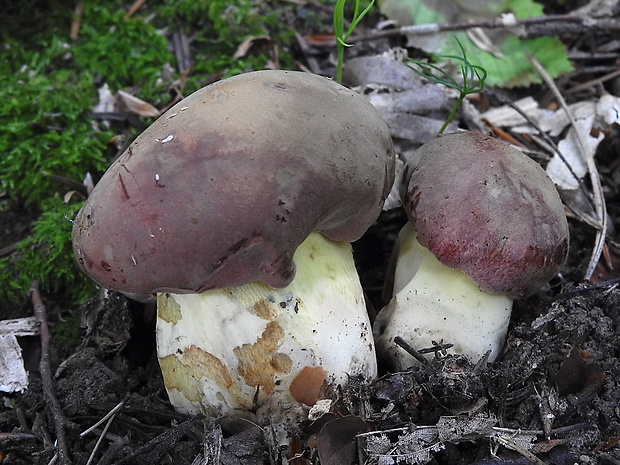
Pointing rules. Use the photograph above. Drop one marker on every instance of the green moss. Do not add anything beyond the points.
(217, 28)
(46, 129)
(47, 256)
(122, 53)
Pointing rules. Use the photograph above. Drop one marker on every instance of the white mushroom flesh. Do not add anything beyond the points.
(241, 348)
(435, 304)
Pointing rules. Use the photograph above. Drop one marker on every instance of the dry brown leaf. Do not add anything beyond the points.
(336, 442)
(245, 46)
(137, 106)
(578, 371)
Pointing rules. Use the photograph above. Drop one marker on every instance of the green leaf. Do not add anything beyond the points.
(513, 68)
(510, 69)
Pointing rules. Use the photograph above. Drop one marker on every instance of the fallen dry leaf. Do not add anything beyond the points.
(336, 442)
(137, 106)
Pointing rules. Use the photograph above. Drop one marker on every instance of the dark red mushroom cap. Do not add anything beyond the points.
(224, 186)
(486, 209)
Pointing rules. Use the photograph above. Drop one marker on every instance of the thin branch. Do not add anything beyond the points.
(106, 417)
(594, 82)
(46, 375)
(134, 8)
(410, 350)
(597, 188)
(525, 27)
(156, 447)
(16, 436)
(511, 444)
(78, 12)
(110, 418)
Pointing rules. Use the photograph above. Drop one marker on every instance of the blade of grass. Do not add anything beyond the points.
(339, 32)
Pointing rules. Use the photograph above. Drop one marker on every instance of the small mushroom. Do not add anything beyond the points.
(486, 226)
(215, 207)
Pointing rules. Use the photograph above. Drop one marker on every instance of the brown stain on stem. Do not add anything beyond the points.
(259, 363)
(184, 372)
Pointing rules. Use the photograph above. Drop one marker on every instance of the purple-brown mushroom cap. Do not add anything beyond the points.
(486, 209)
(224, 186)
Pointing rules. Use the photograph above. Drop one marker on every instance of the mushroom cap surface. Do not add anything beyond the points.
(488, 210)
(223, 187)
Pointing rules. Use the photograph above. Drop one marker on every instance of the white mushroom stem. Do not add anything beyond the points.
(433, 303)
(238, 349)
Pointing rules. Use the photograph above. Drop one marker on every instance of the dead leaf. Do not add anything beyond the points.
(336, 442)
(507, 117)
(608, 108)
(121, 101)
(320, 39)
(319, 409)
(69, 195)
(413, 444)
(578, 371)
(13, 374)
(136, 105)
(297, 449)
(413, 109)
(570, 148)
(107, 100)
(244, 47)
(545, 447)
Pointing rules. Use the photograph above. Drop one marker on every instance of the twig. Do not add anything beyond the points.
(107, 416)
(77, 20)
(110, 418)
(435, 348)
(78, 185)
(8, 250)
(16, 436)
(510, 444)
(410, 350)
(597, 189)
(612, 283)
(180, 45)
(594, 82)
(46, 375)
(118, 442)
(527, 27)
(134, 8)
(156, 447)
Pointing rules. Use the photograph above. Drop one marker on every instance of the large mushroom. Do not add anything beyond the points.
(487, 226)
(237, 207)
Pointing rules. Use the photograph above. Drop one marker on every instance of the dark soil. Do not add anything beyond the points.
(553, 396)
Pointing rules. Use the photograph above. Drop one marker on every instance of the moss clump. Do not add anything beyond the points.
(218, 27)
(46, 255)
(46, 128)
(123, 53)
